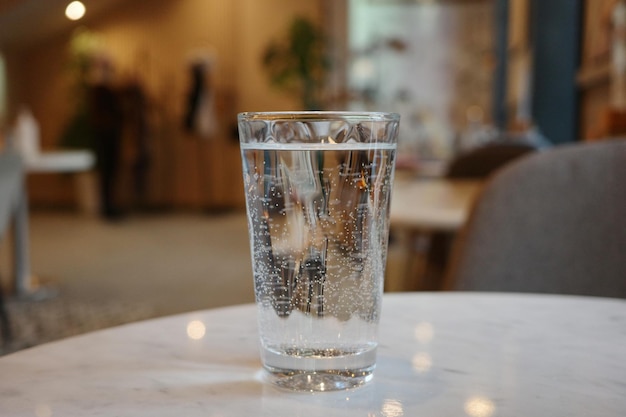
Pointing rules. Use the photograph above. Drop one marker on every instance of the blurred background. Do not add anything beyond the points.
(125, 113)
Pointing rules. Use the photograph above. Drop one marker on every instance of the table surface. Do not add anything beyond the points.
(61, 161)
(441, 354)
(432, 204)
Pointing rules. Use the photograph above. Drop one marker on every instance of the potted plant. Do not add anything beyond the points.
(300, 63)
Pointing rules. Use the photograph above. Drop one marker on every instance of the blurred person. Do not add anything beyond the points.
(106, 122)
(136, 115)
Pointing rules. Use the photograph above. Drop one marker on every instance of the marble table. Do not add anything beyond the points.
(441, 354)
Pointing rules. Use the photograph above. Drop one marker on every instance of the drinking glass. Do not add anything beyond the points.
(318, 188)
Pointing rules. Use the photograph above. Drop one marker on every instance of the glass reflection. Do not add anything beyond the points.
(421, 362)
(392, 408)
(424, 332)
(479, 407)
(196, 330)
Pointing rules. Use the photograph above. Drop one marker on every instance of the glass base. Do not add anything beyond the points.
(319, 381)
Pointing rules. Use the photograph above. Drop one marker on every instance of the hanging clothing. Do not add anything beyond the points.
(200, 115)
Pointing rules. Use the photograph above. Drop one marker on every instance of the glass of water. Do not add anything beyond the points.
(318, 188)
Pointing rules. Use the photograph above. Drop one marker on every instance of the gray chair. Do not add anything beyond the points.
(477, 163)
(553, 222)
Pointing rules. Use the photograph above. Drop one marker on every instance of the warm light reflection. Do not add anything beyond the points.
(479, 407)
(422, 362)
(75, 10)
(424, 332)
(392, 408)
(196, 330)
(43, 410)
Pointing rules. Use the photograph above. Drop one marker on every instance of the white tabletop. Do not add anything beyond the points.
(60, 161)
(444, 354)
(432, 204)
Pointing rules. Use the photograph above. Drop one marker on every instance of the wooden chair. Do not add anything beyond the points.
(483, 161)
(554, 222)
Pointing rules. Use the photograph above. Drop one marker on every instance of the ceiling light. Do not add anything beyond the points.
(75, 10)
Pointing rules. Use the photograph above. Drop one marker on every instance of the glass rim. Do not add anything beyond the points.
(318, 116)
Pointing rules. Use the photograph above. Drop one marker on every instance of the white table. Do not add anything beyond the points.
(79, 163)
(14, 212)
(61, 161)
(442, 354)
(436, 204)
(419, 208)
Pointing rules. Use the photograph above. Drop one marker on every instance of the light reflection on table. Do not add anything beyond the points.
(478, 355)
